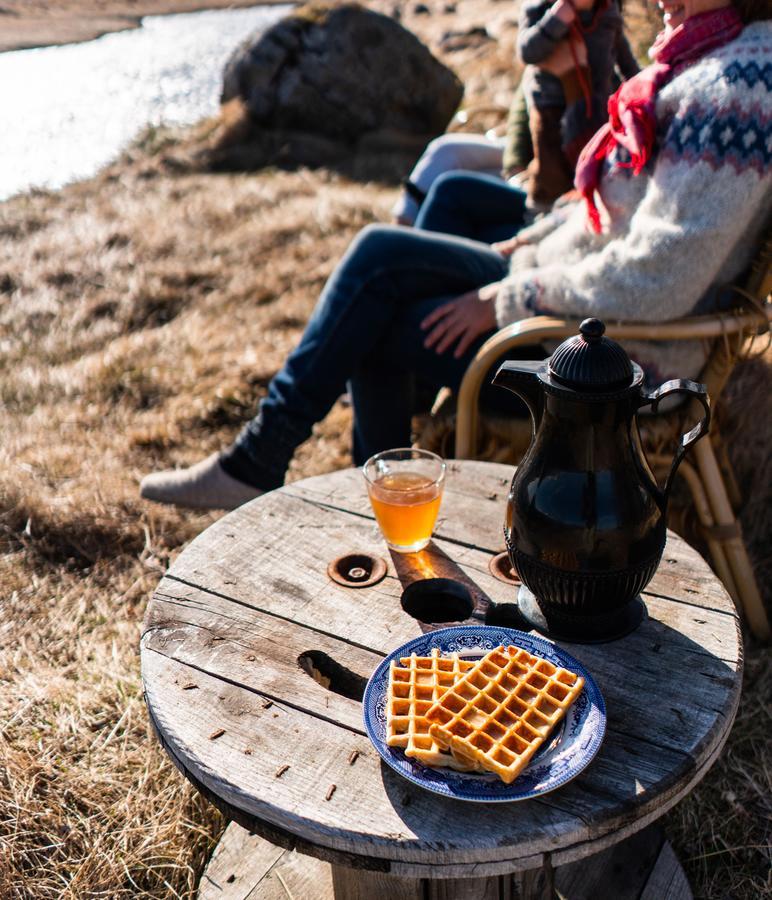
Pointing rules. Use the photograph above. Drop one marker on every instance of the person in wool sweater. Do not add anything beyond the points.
(675, 188)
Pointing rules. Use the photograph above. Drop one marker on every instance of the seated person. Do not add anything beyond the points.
(512, 156)
(676, 188)
(560, 122)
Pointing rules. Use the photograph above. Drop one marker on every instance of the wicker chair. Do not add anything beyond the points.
(707, 473)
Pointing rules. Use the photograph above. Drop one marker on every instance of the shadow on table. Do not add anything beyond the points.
(438, 593)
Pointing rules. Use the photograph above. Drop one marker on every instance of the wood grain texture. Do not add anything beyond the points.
(230, 625)
(241, 861)
(667, 880)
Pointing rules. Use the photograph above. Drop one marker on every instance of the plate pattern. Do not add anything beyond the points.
(560, 759)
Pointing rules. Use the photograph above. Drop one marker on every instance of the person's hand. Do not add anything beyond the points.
(565, 10)
(461, 321)
(562, 60)
(508, 247)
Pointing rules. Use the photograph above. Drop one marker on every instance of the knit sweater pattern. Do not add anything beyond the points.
(673, 235)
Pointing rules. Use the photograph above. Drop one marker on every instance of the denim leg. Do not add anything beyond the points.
(383, 389)
(384, 273)
(473, 205)
(383, 398)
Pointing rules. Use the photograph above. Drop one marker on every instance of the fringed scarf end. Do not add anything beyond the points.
(593, 214)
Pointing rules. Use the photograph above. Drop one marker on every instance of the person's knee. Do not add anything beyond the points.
(368, 238)
(444, 152)
(452, 185)
(374, 243)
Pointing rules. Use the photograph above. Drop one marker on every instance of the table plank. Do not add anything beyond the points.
(258, 652)
(472, 509)
(250, 564)
(484, 487)
(667, 880)
(240, 862)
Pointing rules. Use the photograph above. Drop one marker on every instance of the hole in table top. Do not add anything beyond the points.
(332, 675)
(435, 600)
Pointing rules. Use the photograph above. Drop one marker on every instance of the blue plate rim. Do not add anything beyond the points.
(506, 792)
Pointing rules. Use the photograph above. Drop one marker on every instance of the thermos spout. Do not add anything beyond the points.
(522, 379)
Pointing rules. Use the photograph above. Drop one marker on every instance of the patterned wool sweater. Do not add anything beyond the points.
(673, 234)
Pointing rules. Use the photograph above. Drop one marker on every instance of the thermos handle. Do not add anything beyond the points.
(699, 392)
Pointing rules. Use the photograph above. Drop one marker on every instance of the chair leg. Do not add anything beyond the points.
(727, 471)
(705, 515)
(730, 537)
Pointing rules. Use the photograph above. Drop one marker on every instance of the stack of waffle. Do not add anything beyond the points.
(488, 716)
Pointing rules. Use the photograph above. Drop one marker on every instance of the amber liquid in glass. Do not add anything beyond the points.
(406, 506)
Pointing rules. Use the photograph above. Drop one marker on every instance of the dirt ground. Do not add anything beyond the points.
(142, 314)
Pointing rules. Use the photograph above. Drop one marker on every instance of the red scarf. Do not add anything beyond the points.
(632, 122)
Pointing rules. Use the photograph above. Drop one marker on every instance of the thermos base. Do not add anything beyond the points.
(581, 629)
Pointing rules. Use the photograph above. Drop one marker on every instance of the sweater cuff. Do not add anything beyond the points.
(517, 298)
(506, 306)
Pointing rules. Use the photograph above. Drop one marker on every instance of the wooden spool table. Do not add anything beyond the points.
(254, 662)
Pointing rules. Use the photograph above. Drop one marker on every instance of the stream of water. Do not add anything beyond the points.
(66, 111)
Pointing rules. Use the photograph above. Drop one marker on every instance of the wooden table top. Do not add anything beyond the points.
(289, 758)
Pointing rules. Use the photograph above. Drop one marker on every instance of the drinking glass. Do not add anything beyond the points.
(405, 488)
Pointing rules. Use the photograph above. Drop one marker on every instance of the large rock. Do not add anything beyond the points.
(342, 72)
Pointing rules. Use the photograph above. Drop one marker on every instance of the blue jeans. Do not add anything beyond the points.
(365, 332)
(473, 205)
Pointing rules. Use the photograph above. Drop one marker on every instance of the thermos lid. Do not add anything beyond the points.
(590, 362)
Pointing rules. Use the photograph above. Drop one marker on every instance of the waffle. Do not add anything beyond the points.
(413, 687)
(500, 712)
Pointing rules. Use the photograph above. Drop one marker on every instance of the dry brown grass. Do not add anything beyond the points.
(141, 316)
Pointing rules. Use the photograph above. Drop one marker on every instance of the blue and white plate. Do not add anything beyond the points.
(570, 747)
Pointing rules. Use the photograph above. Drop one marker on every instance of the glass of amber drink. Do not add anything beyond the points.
(405, 488)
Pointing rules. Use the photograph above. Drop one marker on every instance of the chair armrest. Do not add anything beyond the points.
(528, 332)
